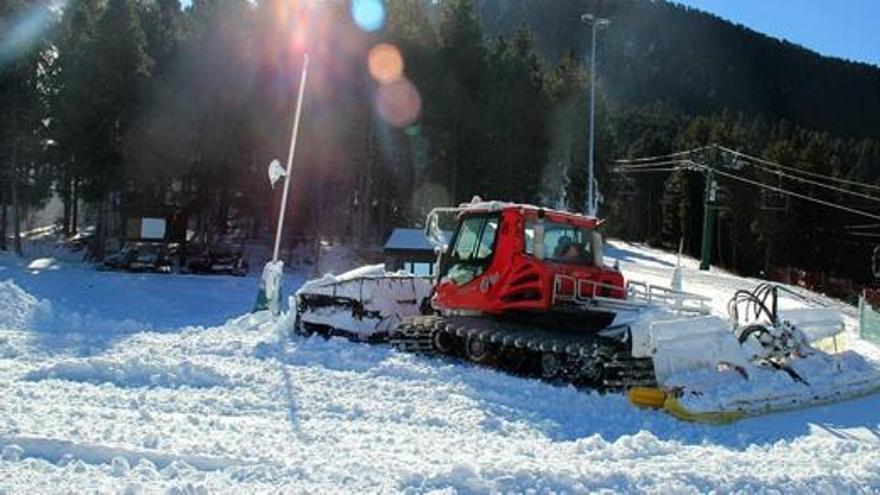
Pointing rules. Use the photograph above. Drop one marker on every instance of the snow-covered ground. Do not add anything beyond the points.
(116, 382)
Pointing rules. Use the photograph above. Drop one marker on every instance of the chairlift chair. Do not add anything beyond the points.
(774, 200)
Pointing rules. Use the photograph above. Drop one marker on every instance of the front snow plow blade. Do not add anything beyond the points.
(688, 405)
(672, 406)
(820, 379)
(714, 371)
(696, 406)
(653, 398)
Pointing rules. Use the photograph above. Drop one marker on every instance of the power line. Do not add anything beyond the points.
(790, 193)
(781, 190)
(651, 164)
(655, 164)
(645, 170)
(755, 161)
(819, 184)
(657, 157)
(797, 170)
(645, 161)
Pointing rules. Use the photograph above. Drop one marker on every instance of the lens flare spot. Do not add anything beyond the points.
(413, 130)
(398, 103)
(17, 36)
(385, 63)
(369, 15)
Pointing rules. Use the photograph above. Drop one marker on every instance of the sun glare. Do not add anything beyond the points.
(398, 103)
(21, 33)
(385, 63)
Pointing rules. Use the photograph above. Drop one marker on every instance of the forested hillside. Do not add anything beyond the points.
(121, 103)
(699, 63)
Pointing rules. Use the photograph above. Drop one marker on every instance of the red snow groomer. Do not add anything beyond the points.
(526, 289)
(519, 258)
(518, 287)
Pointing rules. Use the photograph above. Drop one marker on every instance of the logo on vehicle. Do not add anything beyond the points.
(488, 282)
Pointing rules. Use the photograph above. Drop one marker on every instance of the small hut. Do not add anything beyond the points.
(410, 250)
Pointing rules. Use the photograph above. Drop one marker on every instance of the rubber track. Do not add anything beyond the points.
(583, 352)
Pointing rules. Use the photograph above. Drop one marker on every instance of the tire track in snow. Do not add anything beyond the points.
(54, 451)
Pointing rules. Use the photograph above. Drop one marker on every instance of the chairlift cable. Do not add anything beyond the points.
(646, 170)
(658, 157)
(817, 183)
(799, 171)
(790, 193)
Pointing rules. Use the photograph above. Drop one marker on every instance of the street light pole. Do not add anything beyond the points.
(595, 22)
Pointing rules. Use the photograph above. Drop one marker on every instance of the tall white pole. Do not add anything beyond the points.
(290, 155)
(591, 204)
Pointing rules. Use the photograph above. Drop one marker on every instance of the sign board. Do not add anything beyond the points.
(153, 228)
(146, 228)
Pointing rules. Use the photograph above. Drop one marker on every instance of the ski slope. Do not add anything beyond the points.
(129, 383)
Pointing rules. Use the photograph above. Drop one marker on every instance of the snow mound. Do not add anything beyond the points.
(49, 319)
(7, 349)
(11, 453)
(20, 310)
(16, 306)
(133, 372)
(40, 264)
(363, 272)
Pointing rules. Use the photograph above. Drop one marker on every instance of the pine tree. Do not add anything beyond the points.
(565, 88)
(121, 65)
(24, 61)
(409, 29)
(515, 115)
(163, 26)
(463, 55)
(72, 102)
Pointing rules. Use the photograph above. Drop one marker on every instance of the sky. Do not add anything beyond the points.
(848, 29)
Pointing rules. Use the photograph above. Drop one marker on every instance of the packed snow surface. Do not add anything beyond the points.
(127, 383)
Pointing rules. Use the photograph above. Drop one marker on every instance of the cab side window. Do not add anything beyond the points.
(558, 242)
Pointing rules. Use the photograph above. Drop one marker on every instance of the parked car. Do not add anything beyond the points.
(221, 258)
(143, 257)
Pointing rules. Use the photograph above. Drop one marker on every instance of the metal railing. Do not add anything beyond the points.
(639, 295)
